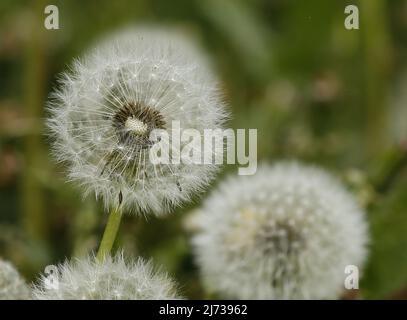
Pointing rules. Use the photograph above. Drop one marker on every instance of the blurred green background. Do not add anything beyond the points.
(314, 90)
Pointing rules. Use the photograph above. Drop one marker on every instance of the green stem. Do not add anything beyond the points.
(34, 219)
(110, 233)
(393, 163)
(385, 173)
(377, 68)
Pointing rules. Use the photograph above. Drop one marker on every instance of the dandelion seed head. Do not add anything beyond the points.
(106, 107)
(113, 279)
(293, 243)
(12, 285)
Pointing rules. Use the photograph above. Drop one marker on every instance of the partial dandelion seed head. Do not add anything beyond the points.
(287, 232)
(12, 285)
(113, 279)
(107, 106)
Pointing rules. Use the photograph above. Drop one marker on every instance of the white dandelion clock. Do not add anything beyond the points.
(287, 232)
(112, 279)
(106, 109)
(12, 285)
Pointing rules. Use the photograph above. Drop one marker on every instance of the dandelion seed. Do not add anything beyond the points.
(271, 248)
(105, 110)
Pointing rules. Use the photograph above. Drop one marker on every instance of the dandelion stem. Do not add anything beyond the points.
(33, 204)
(110, 233)
(377, 67)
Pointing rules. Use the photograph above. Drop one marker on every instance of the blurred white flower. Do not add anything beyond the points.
(102, 116)
(112, 279)
(12, 285)
(287, 232)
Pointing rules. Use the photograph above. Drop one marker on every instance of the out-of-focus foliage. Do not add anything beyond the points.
(314, 90)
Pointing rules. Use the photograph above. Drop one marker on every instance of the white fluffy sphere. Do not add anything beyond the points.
(114, 97)
(12, 286)
(112, 279)
(288, 232)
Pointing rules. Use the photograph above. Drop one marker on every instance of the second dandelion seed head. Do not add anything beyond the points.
(286, 233)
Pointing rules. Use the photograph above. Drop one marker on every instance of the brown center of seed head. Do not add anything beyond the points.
(134, 122)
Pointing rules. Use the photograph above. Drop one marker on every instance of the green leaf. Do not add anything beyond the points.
(387, 269)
